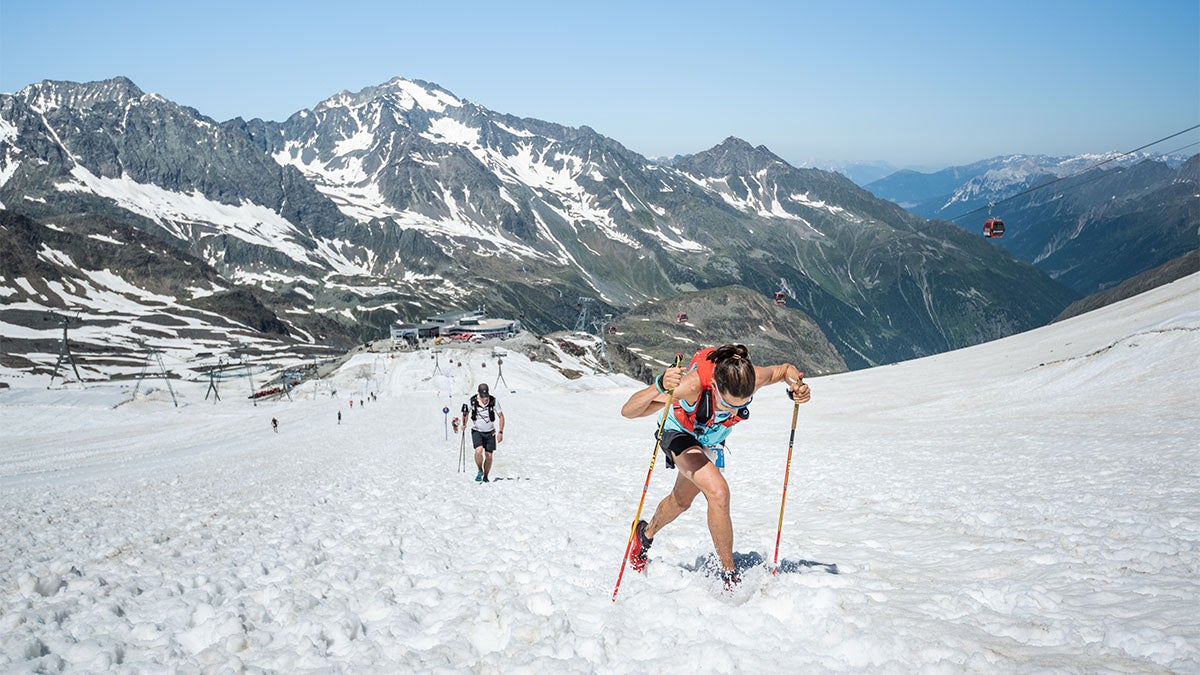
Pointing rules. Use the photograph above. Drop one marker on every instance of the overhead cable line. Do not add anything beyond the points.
(1182, 147)
(1109, 174)
(1081, 171)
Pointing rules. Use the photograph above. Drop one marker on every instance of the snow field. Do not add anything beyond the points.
(1022, 506)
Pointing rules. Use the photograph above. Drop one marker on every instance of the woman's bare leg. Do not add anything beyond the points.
(675, 503)
(697, 475)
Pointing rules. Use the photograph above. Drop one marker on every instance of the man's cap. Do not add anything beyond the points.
(483, 389)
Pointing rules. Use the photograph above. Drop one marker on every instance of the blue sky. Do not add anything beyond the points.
(919, 83)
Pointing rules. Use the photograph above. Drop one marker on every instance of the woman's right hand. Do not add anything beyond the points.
(671, 378)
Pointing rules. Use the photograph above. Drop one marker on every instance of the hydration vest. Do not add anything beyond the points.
(491, 408)
(702, 413)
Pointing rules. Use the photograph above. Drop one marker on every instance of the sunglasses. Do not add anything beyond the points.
(726, 404)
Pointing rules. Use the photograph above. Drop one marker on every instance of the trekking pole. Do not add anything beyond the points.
(786, 472)
(462, 446)
(637, 516)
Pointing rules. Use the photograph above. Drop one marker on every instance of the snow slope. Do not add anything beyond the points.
(1028, 505)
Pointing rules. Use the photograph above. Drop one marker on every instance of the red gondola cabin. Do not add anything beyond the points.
(780, 298)
(993, 228)
(682, 318)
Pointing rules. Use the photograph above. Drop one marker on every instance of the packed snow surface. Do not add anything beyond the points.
(1028, 505)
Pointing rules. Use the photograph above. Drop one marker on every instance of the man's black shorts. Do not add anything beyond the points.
(485, 438)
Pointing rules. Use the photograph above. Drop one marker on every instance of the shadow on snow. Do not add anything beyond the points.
(709, 565)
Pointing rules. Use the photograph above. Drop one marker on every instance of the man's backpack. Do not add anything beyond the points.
(491, 408)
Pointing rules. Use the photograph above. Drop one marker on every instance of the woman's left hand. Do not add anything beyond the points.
(797, 390)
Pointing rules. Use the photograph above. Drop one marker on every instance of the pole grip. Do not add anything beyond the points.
(799, 380)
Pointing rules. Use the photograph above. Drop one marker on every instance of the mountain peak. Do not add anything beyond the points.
(408, 94)
(51, 94)
(734, 144)
(732, 155)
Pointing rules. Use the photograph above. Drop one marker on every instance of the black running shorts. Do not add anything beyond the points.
(676, 442)
(487, 439)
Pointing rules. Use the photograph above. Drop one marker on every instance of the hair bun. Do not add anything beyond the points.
(733, 369)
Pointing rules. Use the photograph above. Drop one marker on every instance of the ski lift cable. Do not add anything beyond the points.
(1182, 147)
(1093, 179)
(1081, 171)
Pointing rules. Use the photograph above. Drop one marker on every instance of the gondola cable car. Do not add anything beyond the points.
(781, 294)
(993, 228)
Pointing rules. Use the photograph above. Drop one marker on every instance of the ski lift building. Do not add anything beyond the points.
(463, 324)
(413, 332)
(484, 327)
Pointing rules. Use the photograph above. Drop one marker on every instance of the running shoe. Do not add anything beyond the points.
(641, 544)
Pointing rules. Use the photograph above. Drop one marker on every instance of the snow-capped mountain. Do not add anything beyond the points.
(402, 200)
(124, 295)
(1094, 231)
(956, 189)
(1090, 221)
(107, 146)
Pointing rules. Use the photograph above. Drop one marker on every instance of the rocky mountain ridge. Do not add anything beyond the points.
(403, 200)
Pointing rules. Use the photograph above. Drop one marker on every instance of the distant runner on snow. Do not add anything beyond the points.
(487, 429)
